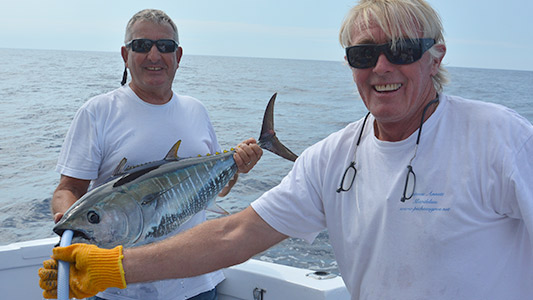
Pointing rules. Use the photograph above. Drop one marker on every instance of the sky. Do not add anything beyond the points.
(479, 33)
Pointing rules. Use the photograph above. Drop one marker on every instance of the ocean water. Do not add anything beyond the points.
(40, 91)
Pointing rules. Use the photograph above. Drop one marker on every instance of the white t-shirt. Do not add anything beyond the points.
(119, 124)
(467, 232)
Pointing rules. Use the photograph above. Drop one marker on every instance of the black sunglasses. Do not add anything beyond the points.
(405, 52)
(145, 45)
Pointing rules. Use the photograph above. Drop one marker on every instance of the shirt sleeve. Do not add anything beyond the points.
(520, 186)
(80, 154)
(295, 207)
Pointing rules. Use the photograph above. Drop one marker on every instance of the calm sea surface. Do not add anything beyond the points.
(40, 91)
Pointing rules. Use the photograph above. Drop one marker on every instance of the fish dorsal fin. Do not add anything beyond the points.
(120, 167)
(173, 153)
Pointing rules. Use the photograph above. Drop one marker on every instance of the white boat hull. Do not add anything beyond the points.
(253, 279)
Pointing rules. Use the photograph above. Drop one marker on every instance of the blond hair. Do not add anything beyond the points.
(399, 19)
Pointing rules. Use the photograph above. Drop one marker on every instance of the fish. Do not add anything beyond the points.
(146, 203)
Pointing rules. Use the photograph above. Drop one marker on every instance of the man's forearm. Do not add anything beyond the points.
(208, 247)
(67, 192)
(62, 200)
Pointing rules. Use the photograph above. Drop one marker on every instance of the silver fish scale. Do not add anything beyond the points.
(186, 192)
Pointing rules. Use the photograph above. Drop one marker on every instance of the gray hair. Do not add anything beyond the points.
(151, 15)
(399, 19)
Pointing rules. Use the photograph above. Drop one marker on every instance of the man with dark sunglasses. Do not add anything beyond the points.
(440, 213)
(141, 121)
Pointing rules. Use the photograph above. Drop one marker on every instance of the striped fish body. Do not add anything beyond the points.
(149, 202)
(176, 191)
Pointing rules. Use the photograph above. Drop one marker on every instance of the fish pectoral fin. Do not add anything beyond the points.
(150, 198)
(217, 209)
(132, 176)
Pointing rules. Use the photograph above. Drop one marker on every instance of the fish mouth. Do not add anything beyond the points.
(79, 236)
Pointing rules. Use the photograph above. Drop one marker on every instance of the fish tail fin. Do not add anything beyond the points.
(268, 139)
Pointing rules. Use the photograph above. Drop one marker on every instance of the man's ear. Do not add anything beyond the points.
(179, 54)
(124, 52)
(441, 49)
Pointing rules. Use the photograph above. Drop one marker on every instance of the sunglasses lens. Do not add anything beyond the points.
(166, 46)
(362, 56)
(406, 52)
(141, 45)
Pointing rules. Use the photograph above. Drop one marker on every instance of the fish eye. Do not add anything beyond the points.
(93, 217)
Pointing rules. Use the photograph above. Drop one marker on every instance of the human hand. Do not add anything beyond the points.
(92, 270)
(247, 154)
(57, 217)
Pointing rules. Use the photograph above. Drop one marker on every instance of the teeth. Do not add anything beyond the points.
(387, 87)
(153, 69)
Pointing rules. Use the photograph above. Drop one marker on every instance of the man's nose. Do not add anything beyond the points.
(383, 65)
(154, 53)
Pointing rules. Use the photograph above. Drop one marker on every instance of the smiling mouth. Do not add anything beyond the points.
(387, 87)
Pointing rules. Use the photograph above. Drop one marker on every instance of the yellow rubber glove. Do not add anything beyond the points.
(92, 270)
